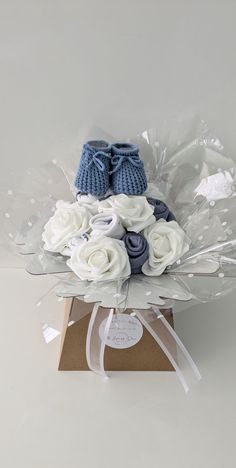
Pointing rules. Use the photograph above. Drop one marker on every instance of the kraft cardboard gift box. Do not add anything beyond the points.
(146, 355)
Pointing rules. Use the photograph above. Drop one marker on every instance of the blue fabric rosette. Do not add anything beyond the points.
(161, 210)
(137, 249)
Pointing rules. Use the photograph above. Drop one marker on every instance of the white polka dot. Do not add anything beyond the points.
(133, 314)
(32, 201)
(148, 293)
(212, 203)
(219, 169)
(178, 262)
(196, 166)
(38, 304)
(60, 299)
(117, 295)
(7, 215)
(10, 192)
(190, 275)
(221, 275)
(30, 224)
(189, 217)
(205, 227)
(200, 238)
(54, 161)
(224, 223)
(175, 296)
(226, 210)
(10, 235)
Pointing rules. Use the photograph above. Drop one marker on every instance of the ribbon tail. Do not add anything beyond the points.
(171, 345)
(96, 342)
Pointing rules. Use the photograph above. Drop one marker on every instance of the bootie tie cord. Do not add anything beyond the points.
(95, 159)
(119, 159)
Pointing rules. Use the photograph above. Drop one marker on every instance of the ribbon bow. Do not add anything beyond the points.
(118, 160)
(95, 159)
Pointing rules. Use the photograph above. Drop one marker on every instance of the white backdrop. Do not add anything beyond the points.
(123, 65)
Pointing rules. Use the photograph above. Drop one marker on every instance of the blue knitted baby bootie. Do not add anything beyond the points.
(128, 175)
(93, 172)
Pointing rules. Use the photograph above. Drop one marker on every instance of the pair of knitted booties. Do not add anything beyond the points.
(117, 166)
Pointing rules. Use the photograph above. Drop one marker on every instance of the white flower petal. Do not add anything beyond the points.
(167, 243)
(134, 211)
(101, 259)
(69, 220)
(89, 202)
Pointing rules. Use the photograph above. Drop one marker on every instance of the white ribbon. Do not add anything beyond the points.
(162, 332)
(95, 344)
(171, 345)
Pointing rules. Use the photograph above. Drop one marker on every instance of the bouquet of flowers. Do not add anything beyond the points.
(121, 233)
(138, 224)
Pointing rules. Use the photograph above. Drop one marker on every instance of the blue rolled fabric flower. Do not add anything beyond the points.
(161, 210)
(137, 250)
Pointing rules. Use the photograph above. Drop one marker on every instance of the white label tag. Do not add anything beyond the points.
(125, 331)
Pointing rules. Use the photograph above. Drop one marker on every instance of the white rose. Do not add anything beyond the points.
(167, 243)
(101, 259)
(134, 211)
(69, 220)
(88, 201)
